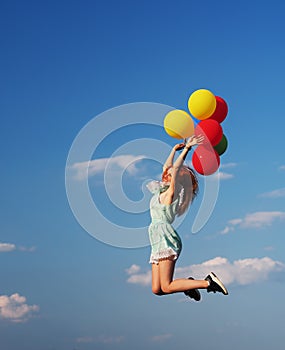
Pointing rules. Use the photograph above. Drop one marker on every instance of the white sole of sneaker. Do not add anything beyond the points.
(216, 280)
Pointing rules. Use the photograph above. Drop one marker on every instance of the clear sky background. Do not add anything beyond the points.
(64, 63)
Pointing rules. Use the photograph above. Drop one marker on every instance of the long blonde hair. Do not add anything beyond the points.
(190, 187)
(189, 182)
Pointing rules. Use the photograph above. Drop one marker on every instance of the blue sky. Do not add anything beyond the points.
(66, 63)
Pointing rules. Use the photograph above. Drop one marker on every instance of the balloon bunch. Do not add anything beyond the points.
(210, 111)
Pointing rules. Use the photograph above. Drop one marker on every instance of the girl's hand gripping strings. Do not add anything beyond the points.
(179, 146)
(192, 141)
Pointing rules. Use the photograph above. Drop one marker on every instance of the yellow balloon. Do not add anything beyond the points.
(202, 104)
(178, 124)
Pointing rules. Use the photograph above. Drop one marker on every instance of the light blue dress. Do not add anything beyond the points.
(165, 241)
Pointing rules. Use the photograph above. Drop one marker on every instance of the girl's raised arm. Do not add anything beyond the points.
(169, 161)
(193, 140)
(168, 195)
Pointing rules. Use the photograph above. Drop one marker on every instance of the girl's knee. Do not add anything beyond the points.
(166, 289)
(157, 290)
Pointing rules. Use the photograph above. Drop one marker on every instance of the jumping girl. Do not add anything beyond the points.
(172, 197)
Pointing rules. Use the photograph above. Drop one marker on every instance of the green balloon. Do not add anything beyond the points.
(222, 145)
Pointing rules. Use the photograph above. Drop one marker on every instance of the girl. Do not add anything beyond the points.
(171, 198)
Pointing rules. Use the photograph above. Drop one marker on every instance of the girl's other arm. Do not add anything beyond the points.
(169, 161)
(194, 140)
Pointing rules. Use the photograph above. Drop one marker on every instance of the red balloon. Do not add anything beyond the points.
(205, 160)
(221, 110)
(212, 131)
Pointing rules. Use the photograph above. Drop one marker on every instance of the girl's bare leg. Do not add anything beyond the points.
(156, 286)
(168, 285)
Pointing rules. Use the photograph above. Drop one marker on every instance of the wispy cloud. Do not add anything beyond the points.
(84, 340)
(243, 271)
(133, 269)
(10, 247)
(125, 162)
(102, 339)
(282, 167)
(228, 165)
(142, 278)
(161, 338)
(269, 248)
(223, 176)
(27, 249)
(255, 220)
(274, 194)
(7, 247)
(14, 308)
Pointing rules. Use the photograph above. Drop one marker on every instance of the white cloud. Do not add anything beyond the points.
(27, 249)
(226, 230)
(256, 220)
(235, 221)
(143, 279)
(274, 194)
(133, 269)
(228, 165)
(269, 248)
(84, 340)
(243, 271)
(103, 339)
(7, 247)
(223, 176)
(282, 167)
(125, 162)
(161, 338)
(110, 339)
(15, 309)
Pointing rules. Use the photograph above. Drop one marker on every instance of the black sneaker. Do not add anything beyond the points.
(215, 284)
(193, 293)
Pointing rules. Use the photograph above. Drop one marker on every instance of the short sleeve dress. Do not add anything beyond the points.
(165, 241)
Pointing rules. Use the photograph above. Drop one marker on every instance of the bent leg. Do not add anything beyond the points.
(156, 286)
(168, 285)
